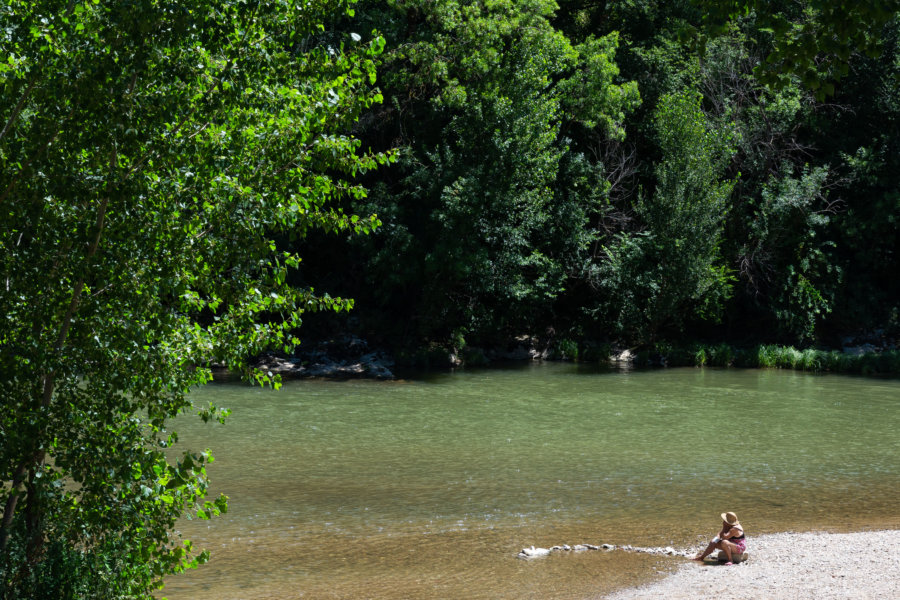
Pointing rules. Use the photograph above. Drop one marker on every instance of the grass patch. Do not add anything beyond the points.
(769, 356)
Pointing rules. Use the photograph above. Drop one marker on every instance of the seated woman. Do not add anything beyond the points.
(730, 539)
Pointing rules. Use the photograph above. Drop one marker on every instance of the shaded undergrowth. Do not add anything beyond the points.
(771, 357)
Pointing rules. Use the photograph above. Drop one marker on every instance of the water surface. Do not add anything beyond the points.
(428, 488)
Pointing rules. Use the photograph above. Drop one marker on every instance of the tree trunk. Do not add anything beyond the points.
(10, 509)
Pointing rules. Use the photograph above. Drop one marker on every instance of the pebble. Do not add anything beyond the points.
(789, 566)
(532, 552)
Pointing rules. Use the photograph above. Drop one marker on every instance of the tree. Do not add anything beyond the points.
(785, 262)
(813, 39)
(483, 98)
(150, 152)
(670, 270)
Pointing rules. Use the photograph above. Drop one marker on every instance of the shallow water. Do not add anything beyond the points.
(427, 488)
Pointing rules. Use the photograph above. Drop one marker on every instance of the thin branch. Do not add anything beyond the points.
(18, 108)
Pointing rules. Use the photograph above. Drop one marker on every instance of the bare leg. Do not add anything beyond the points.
(725, 548)
(712, 546)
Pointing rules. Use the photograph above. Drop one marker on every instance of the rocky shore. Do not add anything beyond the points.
(821, 566)
(351, 357)
(346, 357)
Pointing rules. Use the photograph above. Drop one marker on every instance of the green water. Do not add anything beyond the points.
(428, 488)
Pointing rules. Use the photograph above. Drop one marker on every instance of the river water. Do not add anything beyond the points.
(427, 488)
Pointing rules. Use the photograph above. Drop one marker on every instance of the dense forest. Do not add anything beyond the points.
(184, 184)
(624, 172)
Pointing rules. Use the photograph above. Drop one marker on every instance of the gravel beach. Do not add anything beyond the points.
(816, 565)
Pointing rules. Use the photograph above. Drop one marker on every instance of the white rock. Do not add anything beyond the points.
(532, 552)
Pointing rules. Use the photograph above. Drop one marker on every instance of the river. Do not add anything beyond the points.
(428, 487)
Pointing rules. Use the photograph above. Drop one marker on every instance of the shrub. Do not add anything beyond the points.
(721, 355)
(766, 357)
(593, 351)
(566, 349)
(700, 356)
(810, 360)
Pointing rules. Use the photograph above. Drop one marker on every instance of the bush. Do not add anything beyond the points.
(432, 356)
(835, 361)
(721, 355)
(565, 349)
(774, 357)
(700, 357)
(594, 352)
(474, 357)
(767, 357)
(812, 360)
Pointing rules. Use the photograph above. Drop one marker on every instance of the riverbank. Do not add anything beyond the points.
(351, 357)
(818, 565)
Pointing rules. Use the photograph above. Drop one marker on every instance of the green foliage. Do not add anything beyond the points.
(766, 357)
(565, 349)
(591, 351)
(868, 230)
(813, 40)
(432, 356)
(66, 573)
(480, 93)
(151, 152)
(474, 357)
(785, 260)
(671, 270)
(519, 204)
(721, 355)
(769, 356)
(588, 95)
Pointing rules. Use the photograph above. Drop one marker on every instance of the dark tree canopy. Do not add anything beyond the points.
(569, 171)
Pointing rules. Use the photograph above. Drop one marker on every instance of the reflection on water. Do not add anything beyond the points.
(428, 488)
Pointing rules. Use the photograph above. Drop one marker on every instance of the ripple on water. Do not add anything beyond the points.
(428, 489)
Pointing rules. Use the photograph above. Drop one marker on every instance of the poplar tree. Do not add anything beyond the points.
(152, 153)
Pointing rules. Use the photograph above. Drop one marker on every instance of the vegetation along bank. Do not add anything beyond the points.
(198, 183)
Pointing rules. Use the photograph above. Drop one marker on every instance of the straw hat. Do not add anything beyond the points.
(730, 518)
